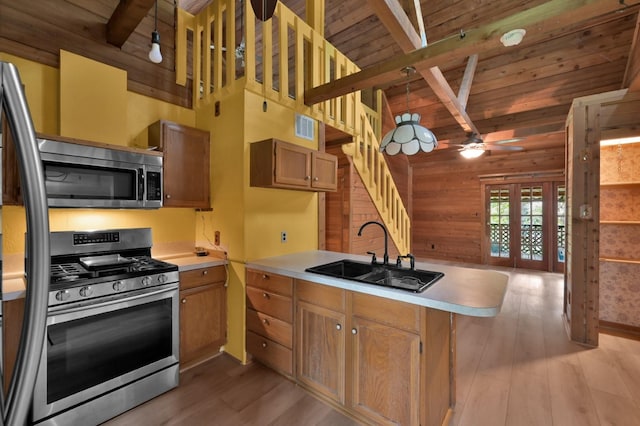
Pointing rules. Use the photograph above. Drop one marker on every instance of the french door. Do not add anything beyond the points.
(525, 225)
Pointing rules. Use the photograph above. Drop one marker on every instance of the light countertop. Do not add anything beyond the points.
(462, 290)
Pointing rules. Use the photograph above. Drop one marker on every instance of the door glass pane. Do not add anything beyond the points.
(499, 222)
(531, 222)
(561, 214)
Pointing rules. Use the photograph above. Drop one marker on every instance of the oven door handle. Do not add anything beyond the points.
(130, 297)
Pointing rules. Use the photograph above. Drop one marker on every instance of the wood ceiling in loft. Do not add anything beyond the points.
(515, 92)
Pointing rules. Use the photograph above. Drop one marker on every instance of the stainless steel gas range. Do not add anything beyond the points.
(112, 336)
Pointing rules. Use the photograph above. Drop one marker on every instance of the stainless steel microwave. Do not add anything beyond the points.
(98, 176)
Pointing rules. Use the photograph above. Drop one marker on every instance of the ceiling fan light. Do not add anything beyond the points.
(470, 152)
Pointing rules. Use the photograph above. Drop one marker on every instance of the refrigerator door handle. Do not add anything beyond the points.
(37, 250)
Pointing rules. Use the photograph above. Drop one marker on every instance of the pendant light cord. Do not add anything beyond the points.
(155, 19)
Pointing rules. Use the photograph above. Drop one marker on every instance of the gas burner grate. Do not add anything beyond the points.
(63, 270)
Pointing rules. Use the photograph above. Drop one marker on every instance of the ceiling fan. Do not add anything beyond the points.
(474, 146)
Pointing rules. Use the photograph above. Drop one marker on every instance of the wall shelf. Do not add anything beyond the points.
(620, 184)
(615, 260)
(620, 222)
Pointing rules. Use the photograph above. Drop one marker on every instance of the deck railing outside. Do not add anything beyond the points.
(223, 50)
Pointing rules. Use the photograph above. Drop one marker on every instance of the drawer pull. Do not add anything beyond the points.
(264, 344)
(184, 301)
(265, 295)
(265, 321)
(205, 272)
(315, 179)
(354, 331)
(265, 276)
(338, 327)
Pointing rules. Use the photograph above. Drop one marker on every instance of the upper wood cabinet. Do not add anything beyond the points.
(185, 164)
(278, 164)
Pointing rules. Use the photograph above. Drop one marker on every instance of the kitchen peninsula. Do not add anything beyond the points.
(381, 355)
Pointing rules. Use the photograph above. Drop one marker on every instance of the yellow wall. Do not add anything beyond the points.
(43, 91)
(250, 219)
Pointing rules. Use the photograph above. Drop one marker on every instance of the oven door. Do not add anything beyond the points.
(94, 349)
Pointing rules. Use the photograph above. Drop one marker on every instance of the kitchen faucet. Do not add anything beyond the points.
(386, 238)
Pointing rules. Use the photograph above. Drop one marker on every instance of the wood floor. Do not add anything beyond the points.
(515, 369)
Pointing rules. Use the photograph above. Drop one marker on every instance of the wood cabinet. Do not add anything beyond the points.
(270, 319)
(278, 164)
(385, 361)
(186, 164)
(321, 337)
(203, 314)
(365, 353)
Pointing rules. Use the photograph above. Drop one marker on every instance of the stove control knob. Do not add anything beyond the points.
(86, 291)
(63, 295)
(162, 278)
(146, 281)
(118, 286)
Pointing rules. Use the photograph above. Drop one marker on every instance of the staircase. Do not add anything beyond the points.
(221, 63)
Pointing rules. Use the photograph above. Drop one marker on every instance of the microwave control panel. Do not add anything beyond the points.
(154, 186)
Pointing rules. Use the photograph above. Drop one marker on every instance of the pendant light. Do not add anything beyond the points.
(154, 54)
(409, 137)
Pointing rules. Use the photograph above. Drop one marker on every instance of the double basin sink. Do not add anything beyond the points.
(414, 280)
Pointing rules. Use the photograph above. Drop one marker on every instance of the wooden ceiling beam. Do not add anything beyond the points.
(632, 73)
(394, 18)
(539, 21)
(125, 18)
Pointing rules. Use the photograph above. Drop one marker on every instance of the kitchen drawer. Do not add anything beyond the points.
(271, 304)
(202, 276)
(321, 295)
(397, 314)
(270, 327)
(271, 282)
(270, 353)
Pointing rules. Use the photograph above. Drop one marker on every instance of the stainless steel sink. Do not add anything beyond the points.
(415, 280)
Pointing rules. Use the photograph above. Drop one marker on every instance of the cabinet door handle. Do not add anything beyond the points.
(307, 177)
(205, 272)
(354, 331)
(265, 321)
(168, 195)
(265, 295)
(315, 179)
(338, 327)
(264, 344)
(265, 276)
(184, 301)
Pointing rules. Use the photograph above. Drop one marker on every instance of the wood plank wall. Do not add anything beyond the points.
(37, 30)
(447, 200)
(347, 209)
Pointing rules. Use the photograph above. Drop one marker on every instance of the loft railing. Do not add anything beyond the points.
(223, 50)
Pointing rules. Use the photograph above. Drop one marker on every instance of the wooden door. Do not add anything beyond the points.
(203, 321)
(385, 373)
(525, 225)
(324, 171)
(292, 165)
(321, 350)
(186, 166)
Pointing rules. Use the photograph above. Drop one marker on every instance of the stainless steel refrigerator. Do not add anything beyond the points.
(15, 405)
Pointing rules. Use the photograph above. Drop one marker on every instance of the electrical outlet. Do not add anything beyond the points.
(216, 238)
(283, 237)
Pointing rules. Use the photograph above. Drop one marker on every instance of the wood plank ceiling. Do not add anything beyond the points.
(517, 91)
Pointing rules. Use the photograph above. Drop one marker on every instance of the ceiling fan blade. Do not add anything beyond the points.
(492, 147)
